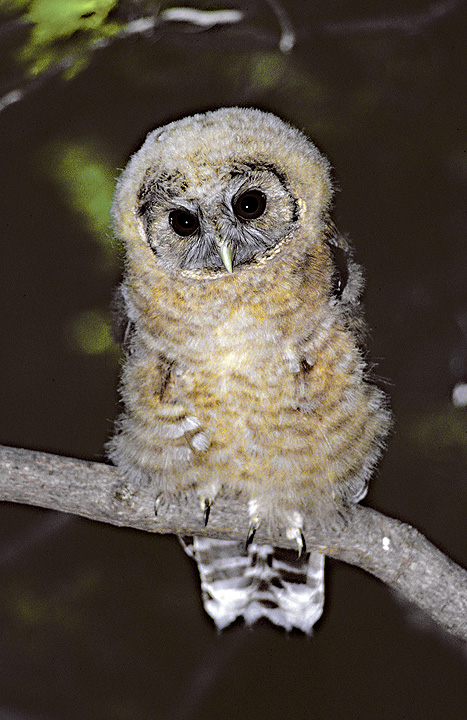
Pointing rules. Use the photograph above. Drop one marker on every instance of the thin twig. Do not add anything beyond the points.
(201, 19)
(287, 40)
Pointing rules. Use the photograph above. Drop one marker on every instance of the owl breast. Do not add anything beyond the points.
(268, 397)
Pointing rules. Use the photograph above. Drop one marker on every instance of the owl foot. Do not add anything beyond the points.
(255, 521)
(206, 504)
(252, 528)
(297, 535)
(295, 532)
(158, 501)
(301, 542)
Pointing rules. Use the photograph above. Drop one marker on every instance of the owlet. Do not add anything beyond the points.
(243, 334)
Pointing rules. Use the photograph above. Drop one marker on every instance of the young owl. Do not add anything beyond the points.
(244, 366)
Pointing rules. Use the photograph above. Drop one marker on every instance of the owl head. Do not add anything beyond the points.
(223, 191)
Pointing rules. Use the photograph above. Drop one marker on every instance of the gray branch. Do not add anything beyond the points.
(393, 551)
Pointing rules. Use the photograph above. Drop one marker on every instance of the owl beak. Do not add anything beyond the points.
(226, 256)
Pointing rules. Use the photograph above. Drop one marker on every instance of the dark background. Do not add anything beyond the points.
(103, 622)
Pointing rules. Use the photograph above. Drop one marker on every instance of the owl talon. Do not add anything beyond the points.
(301, 543)
(252, 528)
(206, 505)
(157, 503)
(295, 532)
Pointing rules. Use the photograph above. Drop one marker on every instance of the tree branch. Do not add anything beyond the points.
(394, 552)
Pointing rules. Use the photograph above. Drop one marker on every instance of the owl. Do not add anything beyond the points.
(241, 321)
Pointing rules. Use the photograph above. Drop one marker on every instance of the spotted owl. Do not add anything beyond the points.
(241, 321)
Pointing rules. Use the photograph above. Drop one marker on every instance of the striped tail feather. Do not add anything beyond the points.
(262, 581)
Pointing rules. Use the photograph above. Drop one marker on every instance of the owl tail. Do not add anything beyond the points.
(262, 581)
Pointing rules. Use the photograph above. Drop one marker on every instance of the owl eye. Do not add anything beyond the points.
(250, 205)
(184, 223)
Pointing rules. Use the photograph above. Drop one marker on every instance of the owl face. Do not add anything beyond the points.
(233, 218)
(220, 192)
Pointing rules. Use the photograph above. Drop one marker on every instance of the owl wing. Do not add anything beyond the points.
(347, 281)
(122, 328)
(156, 435)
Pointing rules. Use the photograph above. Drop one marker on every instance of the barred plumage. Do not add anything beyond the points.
(243, 336)
(261, 581)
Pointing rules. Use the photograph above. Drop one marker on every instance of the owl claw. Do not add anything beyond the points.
(206, 507)
(157, 503)
(252, 528)
(295, 532)
(301, 543)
